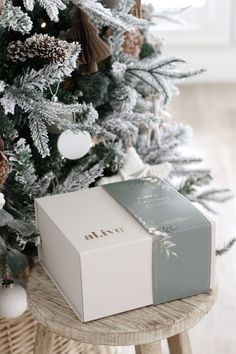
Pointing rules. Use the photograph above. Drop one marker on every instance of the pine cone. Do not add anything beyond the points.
(133, 42)
(16, 51)
(43, 46)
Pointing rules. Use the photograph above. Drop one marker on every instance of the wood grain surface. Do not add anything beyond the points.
(44, 341)
(151, 348)
(144, 325)
(180, 344)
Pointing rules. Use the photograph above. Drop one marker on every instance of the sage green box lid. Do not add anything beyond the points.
(186, 268)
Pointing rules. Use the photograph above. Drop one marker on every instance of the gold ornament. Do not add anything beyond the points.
(93, 48)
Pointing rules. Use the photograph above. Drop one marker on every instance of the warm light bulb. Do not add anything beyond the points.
(43, 24)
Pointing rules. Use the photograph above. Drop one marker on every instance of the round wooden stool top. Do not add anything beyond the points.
(144, 325)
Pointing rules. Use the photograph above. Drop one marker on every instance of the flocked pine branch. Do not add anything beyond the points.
(145, 119)
(29, 4)
(42, 111)
(184, 160)
(188, 185)
(77, 180)
(159, 75)
(123, 98)
(120, 127)
(25, 174)
(163, 146)
(12, 17)
(39, 133)
(123, 9)
(52, 73)
(115, 42)
(52, 7)
(205, 198)
(99, 14)
(124, 6)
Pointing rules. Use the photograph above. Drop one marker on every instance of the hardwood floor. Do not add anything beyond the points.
(211, 111)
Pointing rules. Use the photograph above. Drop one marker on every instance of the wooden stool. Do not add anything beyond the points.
(144, 328)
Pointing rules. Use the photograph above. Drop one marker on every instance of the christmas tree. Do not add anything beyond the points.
(83, 101)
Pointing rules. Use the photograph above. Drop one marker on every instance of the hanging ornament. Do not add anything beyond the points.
(93, 48)
(53, 129)
(134, 167)
(74, 145)
(13, 299)
(4, 164)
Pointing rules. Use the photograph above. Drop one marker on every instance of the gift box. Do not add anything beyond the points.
(124, 245)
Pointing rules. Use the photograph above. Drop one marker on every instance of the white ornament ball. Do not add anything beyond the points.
(13, 301)
(73, 145)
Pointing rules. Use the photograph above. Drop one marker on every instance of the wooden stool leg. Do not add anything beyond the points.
(180, 344)
(44, 341)
(151, 348)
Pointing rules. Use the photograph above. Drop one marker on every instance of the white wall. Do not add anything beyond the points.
(208, 40)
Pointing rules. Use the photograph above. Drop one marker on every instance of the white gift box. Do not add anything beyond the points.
(104, 257)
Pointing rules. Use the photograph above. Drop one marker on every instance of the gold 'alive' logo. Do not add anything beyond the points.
(104, 233)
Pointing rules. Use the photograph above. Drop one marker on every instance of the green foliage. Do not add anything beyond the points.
(147, 51)
(12, 260)
(6, 125)
(16, 262)
(25, 229)
(3, 247)
(94, 88)
(5, 218)
(189, 185)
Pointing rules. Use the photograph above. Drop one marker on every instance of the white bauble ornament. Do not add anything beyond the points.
(73, 145)
(13, 300)
(2, 201)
